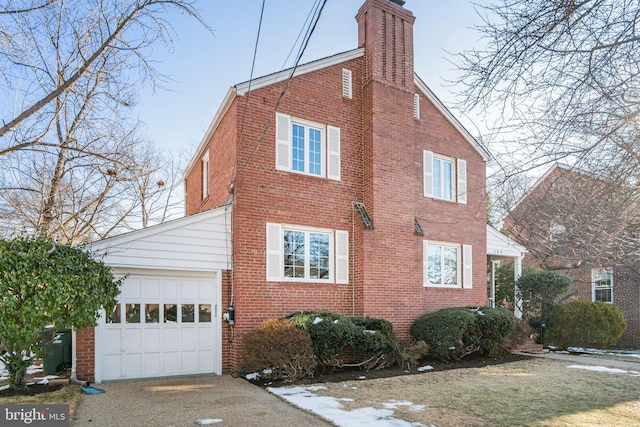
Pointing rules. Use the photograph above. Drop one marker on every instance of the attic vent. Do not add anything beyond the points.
(417, 228)
(346, 83)
(364, 216)
(416, 106)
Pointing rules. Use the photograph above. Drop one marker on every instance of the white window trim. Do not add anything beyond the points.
(596, 271)
(338, 254)
(330, 147)
(205, 175)
(464, 273)
(453, 177)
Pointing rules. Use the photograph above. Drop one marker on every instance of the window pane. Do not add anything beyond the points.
(170, 313)
(187, 313)
(297, 146)
(315, 150)
(447, 190)
(437, 178)
(434, 263)
(152, 313)
(450, 267)
(293, 253)
(115, 315)
(319, 255)
(132, 313)
(204, 313)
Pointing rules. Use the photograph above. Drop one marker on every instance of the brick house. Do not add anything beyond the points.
(344, 185)
(567, 221)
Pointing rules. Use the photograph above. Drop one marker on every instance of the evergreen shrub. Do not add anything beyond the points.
(585, 324)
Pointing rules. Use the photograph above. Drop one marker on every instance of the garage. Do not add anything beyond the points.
(168, 318)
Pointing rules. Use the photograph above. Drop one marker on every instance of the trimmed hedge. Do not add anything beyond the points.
(279, 350)
(453, 333)
(585, 324)
(333, 334)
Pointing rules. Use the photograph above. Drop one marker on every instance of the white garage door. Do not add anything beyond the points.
(163, 325)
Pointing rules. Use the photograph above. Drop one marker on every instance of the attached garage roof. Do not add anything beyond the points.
(199, 242)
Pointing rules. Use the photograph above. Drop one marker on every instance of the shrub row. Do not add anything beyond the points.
(453, 333)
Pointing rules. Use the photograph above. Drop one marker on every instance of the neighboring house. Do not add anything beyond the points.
(342, 185)
(577, 224)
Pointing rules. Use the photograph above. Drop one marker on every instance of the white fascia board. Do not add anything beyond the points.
(452, 119)
(508, 247)
(224, 107)
(243, 88)
(158, 228)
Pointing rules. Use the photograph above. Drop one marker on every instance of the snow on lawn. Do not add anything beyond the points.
(331, 409)
(605, 369)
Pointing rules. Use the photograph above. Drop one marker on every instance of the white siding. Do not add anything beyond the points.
(198, 242)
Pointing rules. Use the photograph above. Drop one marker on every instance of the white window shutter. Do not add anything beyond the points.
(462, 181)
(333, 153)
(274, 252)
(283, 142)
(416, 106)
(346, 83)
(467, 262)
(342, 257)
(428, 173)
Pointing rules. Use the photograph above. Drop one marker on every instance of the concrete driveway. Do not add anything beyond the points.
(182, 401)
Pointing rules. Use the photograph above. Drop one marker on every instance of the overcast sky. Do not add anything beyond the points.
(203, 66)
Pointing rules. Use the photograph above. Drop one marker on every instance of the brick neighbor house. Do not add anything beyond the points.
(573, 222)
(344, 185)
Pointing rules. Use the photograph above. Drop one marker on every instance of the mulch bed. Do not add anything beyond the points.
(32, 390)
(350, 374)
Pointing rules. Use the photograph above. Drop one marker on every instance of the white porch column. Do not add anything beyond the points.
(517, 272)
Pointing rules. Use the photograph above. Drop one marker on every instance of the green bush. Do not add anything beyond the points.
(331, 333)
(278, 350)
(585, 324)
(453, 333)
(540, 291)
(373, 336)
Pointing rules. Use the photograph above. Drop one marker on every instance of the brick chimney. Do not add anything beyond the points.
(385, 28)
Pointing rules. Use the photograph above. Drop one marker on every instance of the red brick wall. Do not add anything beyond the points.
(85, 354)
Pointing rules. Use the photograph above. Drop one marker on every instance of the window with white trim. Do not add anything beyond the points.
(306, 254)
(307, 148)
(205, 175)
(602, 284)
(445, 178)
(447, 265)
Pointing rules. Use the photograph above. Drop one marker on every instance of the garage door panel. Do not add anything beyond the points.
(169, 328)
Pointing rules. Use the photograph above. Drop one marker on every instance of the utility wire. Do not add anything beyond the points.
(310, 31)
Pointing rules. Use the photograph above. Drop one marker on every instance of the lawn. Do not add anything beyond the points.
(536, 392)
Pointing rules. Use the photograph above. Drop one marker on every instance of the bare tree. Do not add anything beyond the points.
(77, 166)
(74, 37)
(559, 81)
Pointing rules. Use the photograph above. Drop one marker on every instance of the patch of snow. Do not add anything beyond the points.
(4, 387)
(394, 404)
(317, 320)
(206, 421)
(330, 408)
(252, 376)
(368, 331)
(362, 377)
(34, 369)
(425, 368)
(605, 369)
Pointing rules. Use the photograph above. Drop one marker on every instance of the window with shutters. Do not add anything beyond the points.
(447, 265)
(303, 254)
(307, 148)
(445, 178)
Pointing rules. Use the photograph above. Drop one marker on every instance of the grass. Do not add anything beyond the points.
(537, 392)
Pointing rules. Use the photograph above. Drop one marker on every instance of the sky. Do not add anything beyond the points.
(203, 66)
